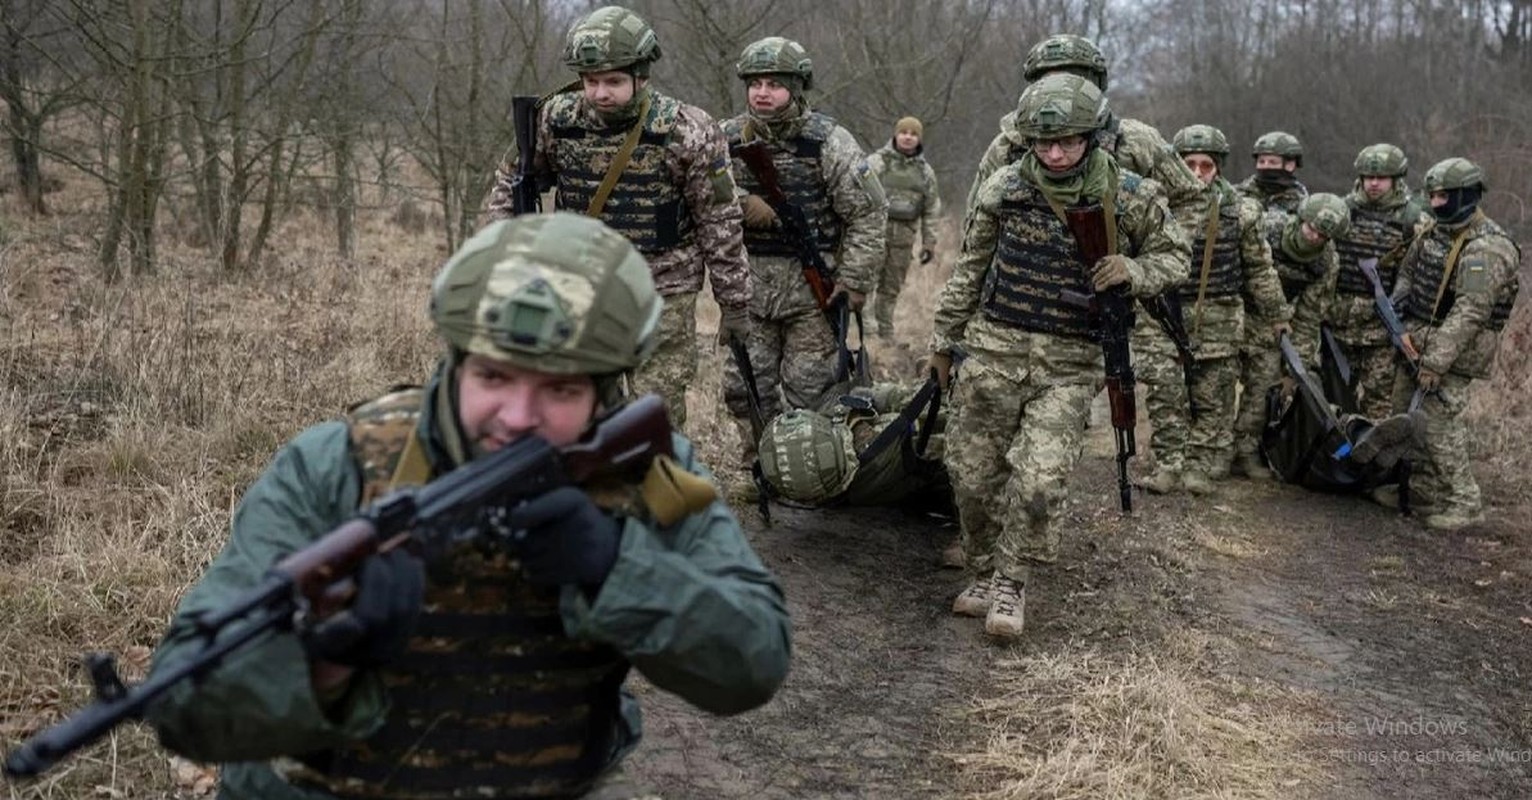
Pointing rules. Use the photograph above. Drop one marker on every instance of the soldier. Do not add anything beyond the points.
(1455, 290)
(495, 673)
(824, 172)
(1034, 363)
(672, 195)
(910, 185)
(1278, 156)
(1231, 260)
(1136, 145)
(1385, 217)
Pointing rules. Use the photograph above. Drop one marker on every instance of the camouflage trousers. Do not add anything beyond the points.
(1260, 366)
(1442, 477)
(793, 357)
(1155, 365)
(673, 365)
(896, 264)
(1180, 441)
(1011, 446)
(1373, 366)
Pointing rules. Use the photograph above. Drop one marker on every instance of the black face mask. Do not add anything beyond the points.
(1275, 178)
(1460, 205)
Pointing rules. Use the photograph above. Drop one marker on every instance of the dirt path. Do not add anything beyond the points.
(1401, 658)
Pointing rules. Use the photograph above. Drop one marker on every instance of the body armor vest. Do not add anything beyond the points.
(802, 178)
(491, 699)
(647, 205)
(904, 183)
(1374, 232)
(1426, 268)
(1036, 261)
(1226, 277)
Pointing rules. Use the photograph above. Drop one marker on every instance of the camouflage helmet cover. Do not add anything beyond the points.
(1383, 160)
(806, 457)
(1065, 51)
(1279, 143)
(560, 293)
(1327, 213)
(775, 55)
(1454, 173)
(1201, 139)
(610, 38)
(1058, 105)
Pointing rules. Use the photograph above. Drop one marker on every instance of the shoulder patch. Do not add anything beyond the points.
(379, 430)
(870, 184)
(721, 180)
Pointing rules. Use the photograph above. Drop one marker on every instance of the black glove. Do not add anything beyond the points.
(925, 256)
(566, 539)
(390, 590)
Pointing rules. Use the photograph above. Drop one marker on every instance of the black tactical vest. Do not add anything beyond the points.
(1226, 276)
(647, 205)
(1374, 232)
(491, 699)
(1427, 264)
(802, 178)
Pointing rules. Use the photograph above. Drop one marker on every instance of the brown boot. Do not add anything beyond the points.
(1197, 482)
(1251, 466)
(1007, 604)
(953, 556)
(974, 600)
(1162, 481)
(1453, 519)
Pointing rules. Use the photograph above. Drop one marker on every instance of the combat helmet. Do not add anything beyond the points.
(1279, 143)
(1381, 160)
(1201, 139)
(806, 457)
(612, 38)
(1454, 173)
(1060, 104)
(1068, 52)
(560, 293)
(775, 55)
(1327, 213)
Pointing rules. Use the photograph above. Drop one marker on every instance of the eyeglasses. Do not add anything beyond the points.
(1069, 145)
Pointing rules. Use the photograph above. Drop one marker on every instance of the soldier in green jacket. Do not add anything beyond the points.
(914, 206)
(492, 673)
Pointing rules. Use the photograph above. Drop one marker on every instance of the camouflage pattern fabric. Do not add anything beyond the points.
(895, 475)
(695, 159)
(1442, 479)
(1260, 367)
(673, 365)
(913, 201)
(1023, 398)
(1285, 200)
(794, 359)
(1462, 334)
(1155, 366)
(896, 265)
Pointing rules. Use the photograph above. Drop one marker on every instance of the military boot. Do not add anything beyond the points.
(1453, 519)
(1386, 496)
(1391, 439)
(1251, 466)
(1007, 604)
(1161, 481)
(953, 555)
(1197, 482)
(974, 600)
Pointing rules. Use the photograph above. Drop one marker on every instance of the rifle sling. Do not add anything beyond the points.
(1452, 261)
(1210, 235)
(897, 429)
(619, 161)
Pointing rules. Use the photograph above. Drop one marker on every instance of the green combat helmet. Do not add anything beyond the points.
(1279, 143)
(1066, 52)
(1058, 105)
(559, 293)
(807, 458)
(1201, 139)
(1381, 160)
(775, 55)
(612, 38)
(1327, 213)
(1454, 173)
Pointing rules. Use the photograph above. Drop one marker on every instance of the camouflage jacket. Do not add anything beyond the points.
(1314, 302)
(909, 182)
(1485, 285)
(696, 161)
(1158, 251)
(1354, 316)
(690, 606)
(1137, 147)
(1286, 200)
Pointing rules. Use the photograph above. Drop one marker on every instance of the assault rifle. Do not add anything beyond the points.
(525, 199)
(764, 492)
(1112, 320)
(308, 591)
(1389, 316)
(1165, 309)
(796, 228)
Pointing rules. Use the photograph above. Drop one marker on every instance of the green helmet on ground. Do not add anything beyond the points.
(1454, 173)
(806, 457)
(560, 293)
(775, 55)
(1059, 105)
(1066, 52)
(1201, 139)
(1381, 160)
(611, 38)
(1280, 143)
(1327, 213)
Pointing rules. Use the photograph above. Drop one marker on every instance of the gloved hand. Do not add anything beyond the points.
(566, 539)
(1427, 380)
(1280, 328)
(854, 299)
(1111, 271)
(758, 213)
(390, 590)
(734, 321)
(942, 363)
(926, 256)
